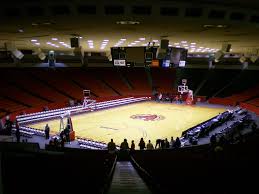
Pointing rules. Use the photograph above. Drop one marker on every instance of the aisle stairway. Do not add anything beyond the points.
(127, 181)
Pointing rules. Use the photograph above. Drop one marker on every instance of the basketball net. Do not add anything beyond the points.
(88, 102)
(184, 89)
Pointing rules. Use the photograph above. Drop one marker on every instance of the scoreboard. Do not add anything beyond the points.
(146, 56)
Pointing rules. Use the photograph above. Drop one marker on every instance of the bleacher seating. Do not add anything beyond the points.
(163, 79)
(254, 102)
(36, 88)
(70, 171)
(199, 169)
(137, 78)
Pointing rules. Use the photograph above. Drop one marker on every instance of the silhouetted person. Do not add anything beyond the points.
(162, 144)
(142, 144)
(167, 144)
(132, 147)
(172, 142)
(177, 143)
(124, 145)
(67, 134)
(111, 146)
(8, 125)
(158, 143)
(47, 131)
(17, 132)
(56, 142)
(150, 145)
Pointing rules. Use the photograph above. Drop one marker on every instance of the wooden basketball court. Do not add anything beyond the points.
(150, 120)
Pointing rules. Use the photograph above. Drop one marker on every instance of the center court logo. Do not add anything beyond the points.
(148, 117)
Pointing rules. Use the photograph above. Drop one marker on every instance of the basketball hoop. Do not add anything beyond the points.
(183, 88)
(88, 103)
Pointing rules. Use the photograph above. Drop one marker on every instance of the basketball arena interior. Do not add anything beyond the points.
(112, 97)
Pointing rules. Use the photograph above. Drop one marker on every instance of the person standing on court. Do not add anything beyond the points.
(47, 131)
(142, 144)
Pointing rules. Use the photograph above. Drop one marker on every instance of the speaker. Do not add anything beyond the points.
(218, 55)
(164, 44)
(226, 47)
(74, 42)
(18, 54)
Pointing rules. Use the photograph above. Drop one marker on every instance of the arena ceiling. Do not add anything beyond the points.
(200, 26)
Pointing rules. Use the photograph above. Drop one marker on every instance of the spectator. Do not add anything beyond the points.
(150, 145)
(17, 132)
(162, 144)
(177, 143)
(124, 145)
(56, 142)
(172, 142)
(111, 146)
(132, 147)
(167, 144)
(67, 134)
(47, 131)
(51, 142)
(8, 125)
(62, 136)
(142, 144)
(158, 143)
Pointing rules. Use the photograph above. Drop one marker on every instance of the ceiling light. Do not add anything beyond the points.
(123, 39)
(192, 46)
(201, 47)
(106, 40)
(177, 43)
(20, 30)
(144, 44)
(37, 43)
(129, 45)
(80, 37)
(33, 40)
(155, 40)
(90, 41)
(184, 42)
(178, 46)
(137, 41)
(185, 45)
(169, 45)
(142, 39)
(57, 46)
(61, 42)
(54, 39)
(48, 43)
(193, 43)
(133, 43)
